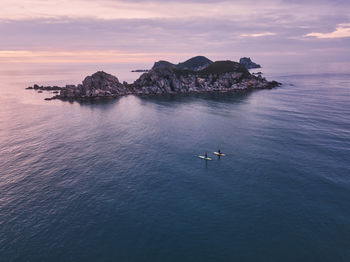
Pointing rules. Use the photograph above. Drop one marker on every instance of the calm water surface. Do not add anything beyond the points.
(120, 180)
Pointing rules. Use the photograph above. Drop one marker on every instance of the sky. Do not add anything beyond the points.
(122, 31)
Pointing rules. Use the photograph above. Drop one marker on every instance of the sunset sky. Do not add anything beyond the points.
(86, 31)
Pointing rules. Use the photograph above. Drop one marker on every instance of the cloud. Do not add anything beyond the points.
(258, 34)
(341, 31)
(138, 9)
(119, 9)
(115, 30)
(138, 35)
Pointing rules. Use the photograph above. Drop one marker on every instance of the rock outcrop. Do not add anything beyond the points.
(99, 84)
(46, 88)
(162, 64)
(220, 76)
(248, 63)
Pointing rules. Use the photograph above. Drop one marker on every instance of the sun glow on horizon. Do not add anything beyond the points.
(91, 56)
(118, 31)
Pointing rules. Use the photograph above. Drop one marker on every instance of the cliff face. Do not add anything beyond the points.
(248, 63)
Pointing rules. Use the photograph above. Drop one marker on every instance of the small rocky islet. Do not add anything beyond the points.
(248, 63)
(196, 75)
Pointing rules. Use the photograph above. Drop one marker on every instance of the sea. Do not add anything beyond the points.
(121, 180)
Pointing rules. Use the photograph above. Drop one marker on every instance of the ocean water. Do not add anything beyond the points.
(120, 180)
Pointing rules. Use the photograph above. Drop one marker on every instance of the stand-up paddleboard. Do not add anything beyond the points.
(219, 154)
(205, 158)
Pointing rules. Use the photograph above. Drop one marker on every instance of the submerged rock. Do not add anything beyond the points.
(44, 88)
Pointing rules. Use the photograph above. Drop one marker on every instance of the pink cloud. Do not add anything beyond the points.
(341, 31)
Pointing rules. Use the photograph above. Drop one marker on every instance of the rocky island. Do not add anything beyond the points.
(195, 75)
(248, 63)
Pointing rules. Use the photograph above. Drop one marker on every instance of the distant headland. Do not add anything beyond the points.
(196, 75)
(140, 70)
(248, 63)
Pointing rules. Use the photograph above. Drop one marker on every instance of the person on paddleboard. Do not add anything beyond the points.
(219, 151)
(206, 155)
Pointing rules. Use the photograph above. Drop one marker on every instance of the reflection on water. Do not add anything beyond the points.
(233, 97)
